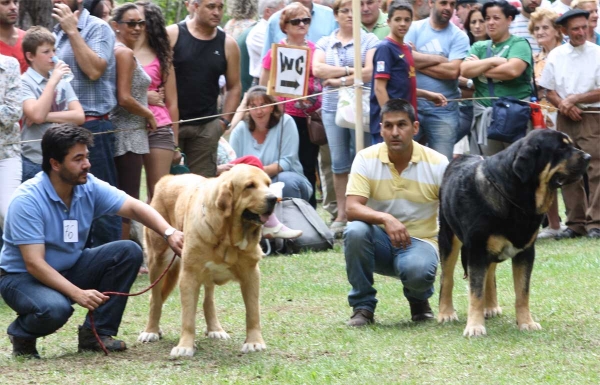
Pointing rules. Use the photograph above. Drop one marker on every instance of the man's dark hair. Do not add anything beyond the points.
(398, 105)
(399, 5)
(59, 139)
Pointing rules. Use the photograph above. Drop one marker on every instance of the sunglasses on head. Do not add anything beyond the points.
(305, 20)
(133, 24)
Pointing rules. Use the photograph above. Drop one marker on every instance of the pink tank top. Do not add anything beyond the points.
(160, 113)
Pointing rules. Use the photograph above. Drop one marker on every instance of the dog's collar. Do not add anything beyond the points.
(504, 195)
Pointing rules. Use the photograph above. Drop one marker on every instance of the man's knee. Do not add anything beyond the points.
(130, 252)
(52, 316)
(356, 233)
(418, 277)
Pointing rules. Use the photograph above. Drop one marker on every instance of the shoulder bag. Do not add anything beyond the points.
(345, 115)
(510, 116)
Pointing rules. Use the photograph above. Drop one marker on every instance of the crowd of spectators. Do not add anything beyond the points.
(134, 79)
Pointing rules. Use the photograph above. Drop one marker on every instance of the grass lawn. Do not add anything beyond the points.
(304, 309)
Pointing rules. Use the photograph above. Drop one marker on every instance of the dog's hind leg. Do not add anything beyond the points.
(491, 297)
(522, 266)
(250, 286)
(476, 320)
(213, 326)
(449, 256)
(159, 295)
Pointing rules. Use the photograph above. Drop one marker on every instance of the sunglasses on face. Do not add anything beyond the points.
(305, 20)
(133, 24)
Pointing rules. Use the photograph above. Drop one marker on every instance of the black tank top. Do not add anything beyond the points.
(198, 65)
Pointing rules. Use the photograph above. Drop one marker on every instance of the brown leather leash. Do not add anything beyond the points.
(109, 293)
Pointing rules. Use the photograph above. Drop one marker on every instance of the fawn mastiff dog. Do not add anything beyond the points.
(491, 210)
(221, 219)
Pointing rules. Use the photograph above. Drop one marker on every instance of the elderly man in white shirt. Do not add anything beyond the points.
(256, 37)
(572, 80)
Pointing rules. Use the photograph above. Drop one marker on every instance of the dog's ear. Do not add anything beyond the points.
(225, 198)
(524, 165)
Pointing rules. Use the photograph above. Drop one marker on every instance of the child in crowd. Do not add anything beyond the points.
(47, 98)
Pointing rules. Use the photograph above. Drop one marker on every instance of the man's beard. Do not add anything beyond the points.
(72, 179)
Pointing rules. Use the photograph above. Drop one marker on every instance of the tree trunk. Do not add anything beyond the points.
(35, 12)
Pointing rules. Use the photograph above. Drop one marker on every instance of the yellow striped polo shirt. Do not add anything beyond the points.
(412, 197)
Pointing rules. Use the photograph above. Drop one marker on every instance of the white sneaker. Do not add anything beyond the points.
(548, 232)
(280, 231)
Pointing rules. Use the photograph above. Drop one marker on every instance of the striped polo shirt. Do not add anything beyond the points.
(412, 197)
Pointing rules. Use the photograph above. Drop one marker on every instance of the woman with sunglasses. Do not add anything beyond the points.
(132, 114)
(294, 22)
(334, 64)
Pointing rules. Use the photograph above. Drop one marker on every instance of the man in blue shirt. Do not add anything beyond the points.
(44, 267)
(86, 44)
(439, 47)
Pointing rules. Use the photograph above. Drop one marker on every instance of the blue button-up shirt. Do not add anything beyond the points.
(322, 24)
(36, 215)
(97, 97)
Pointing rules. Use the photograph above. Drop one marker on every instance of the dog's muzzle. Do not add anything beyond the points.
(270, 202)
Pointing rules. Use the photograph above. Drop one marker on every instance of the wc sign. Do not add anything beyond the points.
(289, 71)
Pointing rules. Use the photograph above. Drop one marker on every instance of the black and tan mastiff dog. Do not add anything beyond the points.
(491, 210)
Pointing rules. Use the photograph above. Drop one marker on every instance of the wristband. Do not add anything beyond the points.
(177, 148)
(227, 122)
(347, 71)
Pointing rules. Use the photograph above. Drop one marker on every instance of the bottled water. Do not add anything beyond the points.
(66, 77)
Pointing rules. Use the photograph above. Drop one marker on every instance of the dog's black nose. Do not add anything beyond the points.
(271, 201)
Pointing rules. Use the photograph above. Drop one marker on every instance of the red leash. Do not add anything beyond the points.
(91, 312)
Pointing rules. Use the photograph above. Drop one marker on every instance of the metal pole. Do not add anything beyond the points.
(356, 26)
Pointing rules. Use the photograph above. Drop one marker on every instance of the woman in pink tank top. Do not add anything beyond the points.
(154, 53)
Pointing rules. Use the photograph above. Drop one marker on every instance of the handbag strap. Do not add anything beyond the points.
(490, 82)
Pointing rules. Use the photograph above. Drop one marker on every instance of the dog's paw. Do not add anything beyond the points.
(474, 331)
(532, 326)
(218, 335)
(182, 351)
(149, 337)
(250, 347)
(447, 317)
(490, 312)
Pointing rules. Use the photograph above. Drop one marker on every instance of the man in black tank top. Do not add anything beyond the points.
(201, 54)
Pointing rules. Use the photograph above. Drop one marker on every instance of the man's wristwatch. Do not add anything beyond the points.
(470, 83)
(226, 122)
(169, 232)
(343, 80)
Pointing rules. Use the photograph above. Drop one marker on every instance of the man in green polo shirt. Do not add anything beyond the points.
(372, 19)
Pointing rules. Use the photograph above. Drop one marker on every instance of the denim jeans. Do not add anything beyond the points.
(29, 168)
(368, 250)
(296, 185)
(42, 310)
(439, 124)
(107, 228)
(465, 115)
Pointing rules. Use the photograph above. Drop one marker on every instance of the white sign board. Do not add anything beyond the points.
(289, 71)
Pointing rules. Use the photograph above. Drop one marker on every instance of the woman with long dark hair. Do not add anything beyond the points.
(153, 51)
(131, 116)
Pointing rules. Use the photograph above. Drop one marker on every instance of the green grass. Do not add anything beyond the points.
(304, 310)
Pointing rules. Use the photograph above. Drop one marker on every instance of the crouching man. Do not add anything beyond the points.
(392, 201)
(44, 267)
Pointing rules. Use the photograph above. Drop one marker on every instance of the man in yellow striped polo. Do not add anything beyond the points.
(392, 203)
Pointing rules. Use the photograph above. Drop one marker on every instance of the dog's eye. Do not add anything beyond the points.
(250, 185)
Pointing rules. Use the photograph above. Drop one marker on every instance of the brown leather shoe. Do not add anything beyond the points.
(88, 342)
(420, 311)
(24, 347)
(361, 317)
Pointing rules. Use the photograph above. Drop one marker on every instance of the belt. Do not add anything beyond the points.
(103, 117)
(591, 109)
